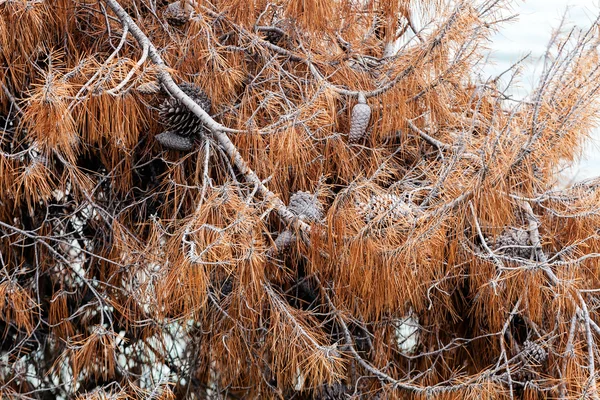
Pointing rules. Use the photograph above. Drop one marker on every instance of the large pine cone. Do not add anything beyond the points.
(306, 206)
(361, 113)
(178, 118)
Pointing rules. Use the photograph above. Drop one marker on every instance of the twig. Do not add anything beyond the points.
(137, 66)
(11, 98)
(590, 346)
(567, 354)
(503, 347)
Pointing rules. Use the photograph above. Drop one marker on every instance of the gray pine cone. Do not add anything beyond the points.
(511, 243)
(525, 374)
(534, 353)
(273, 36)
(361, 113)
(176, 15)
(386, 207)
(174, 141)
(337, 391)
(284, 241)
(306, 206)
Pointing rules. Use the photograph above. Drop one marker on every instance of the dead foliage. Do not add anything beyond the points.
(358, 215)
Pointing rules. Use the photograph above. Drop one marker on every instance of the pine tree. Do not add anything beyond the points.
(291, 199)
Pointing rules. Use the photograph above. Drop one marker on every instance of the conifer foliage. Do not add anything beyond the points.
(291, 199)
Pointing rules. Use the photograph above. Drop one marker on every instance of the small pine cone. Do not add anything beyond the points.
(226, 287)
(174, 141)
(273, 36)
(306, 206)
(284, 241)
(534, 353)
(176, 14)
(337, 391)
(525, 375)
(178, 118)
(388, 207)
(361, 113)
(514, 237)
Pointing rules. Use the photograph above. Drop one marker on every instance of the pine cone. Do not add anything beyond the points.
(361, 113)
(514, 237)
(386, 207)
(533, 356)
(273, 36)
(337, 391)
(525, 375)
(182, 124)
(284, 241)
(175, 142)
(178, 118)
(534, 353)
(177, 15)
(306, 206)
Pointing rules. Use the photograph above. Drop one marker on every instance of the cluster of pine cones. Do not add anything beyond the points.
(182, 125)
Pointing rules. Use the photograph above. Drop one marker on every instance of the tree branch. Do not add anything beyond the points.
(219, 131)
